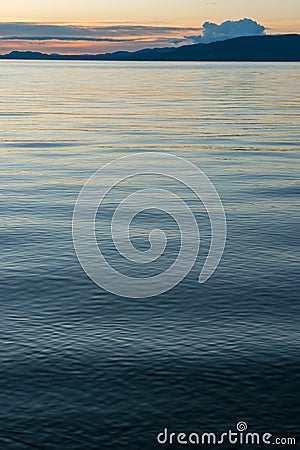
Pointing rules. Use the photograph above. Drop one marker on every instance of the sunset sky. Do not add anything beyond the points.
(97, 26)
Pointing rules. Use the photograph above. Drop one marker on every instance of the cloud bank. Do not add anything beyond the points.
(212, 32)
(68, 38)
(35, 30)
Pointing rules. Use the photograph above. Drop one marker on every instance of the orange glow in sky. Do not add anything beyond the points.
(156, 11)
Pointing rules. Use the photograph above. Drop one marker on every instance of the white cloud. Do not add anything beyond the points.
(227, 30)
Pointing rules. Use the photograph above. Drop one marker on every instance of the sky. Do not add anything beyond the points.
(98, 26)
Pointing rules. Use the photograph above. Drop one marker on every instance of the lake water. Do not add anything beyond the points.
(84, 369)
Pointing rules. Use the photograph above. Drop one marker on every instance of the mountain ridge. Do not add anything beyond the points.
(284, 47)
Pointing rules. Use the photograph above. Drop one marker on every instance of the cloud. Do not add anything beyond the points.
(64, 38)
(227, 30)
(88, 38)
(27, 30)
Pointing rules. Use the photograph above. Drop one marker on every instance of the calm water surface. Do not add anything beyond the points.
(83, 369)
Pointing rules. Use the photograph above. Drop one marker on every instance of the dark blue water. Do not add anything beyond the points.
(84, 369)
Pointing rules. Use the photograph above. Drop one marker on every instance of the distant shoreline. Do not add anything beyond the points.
(267, 48)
